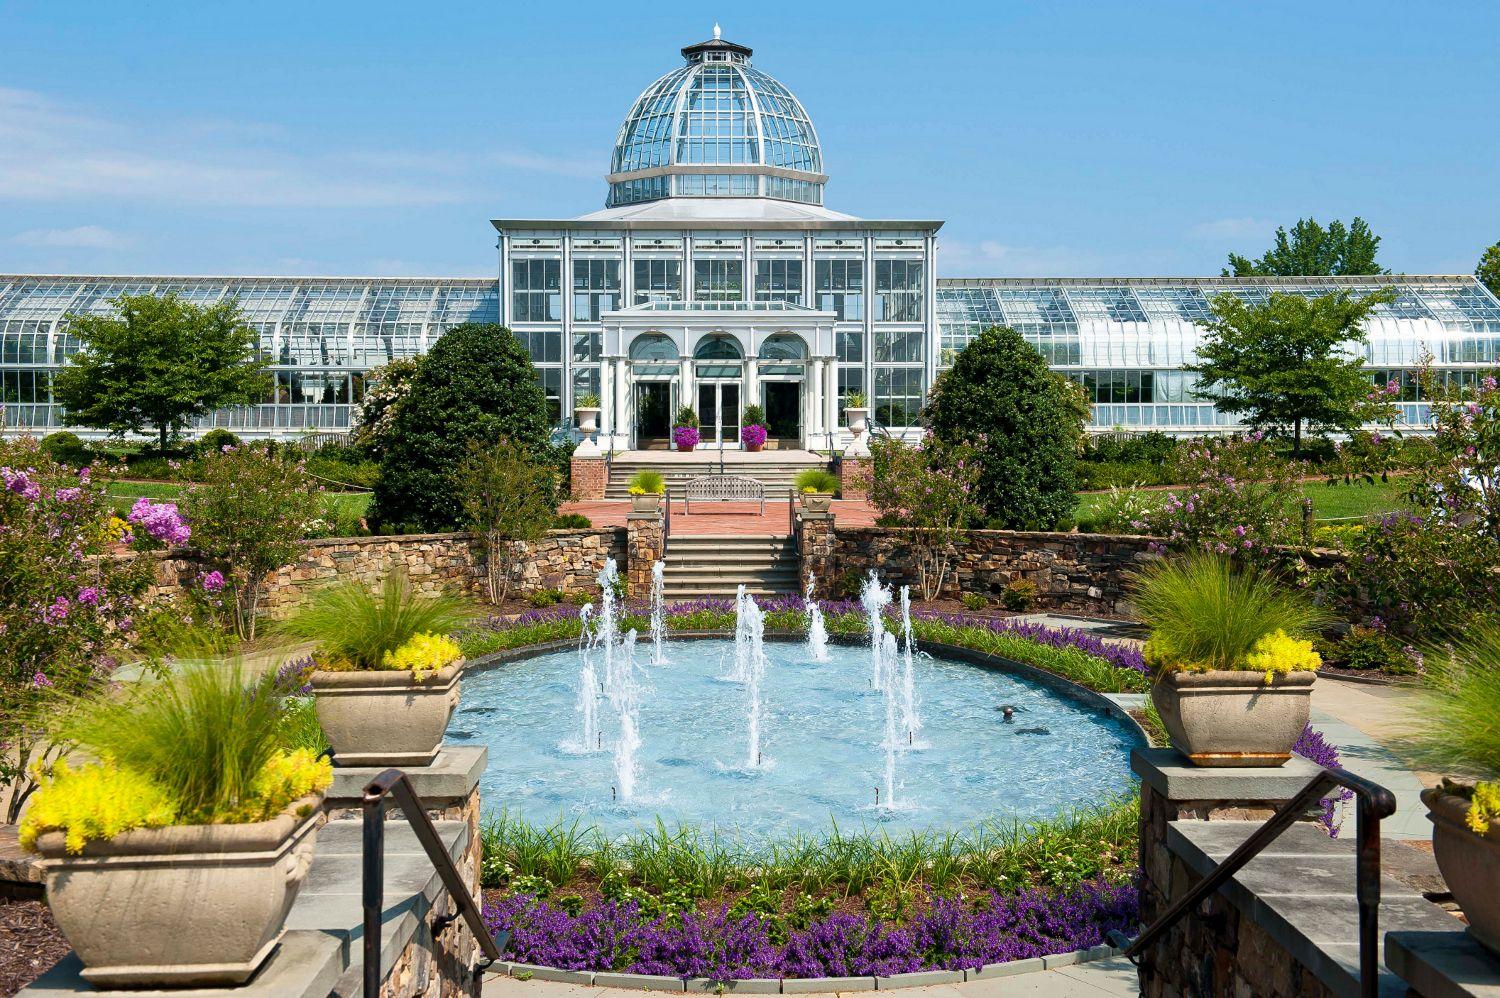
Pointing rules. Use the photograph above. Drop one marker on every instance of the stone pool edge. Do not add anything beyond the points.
(801, 985)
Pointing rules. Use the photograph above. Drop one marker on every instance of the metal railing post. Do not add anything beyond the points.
(373, 889)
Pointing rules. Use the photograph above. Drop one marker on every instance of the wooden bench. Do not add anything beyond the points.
(724, 488)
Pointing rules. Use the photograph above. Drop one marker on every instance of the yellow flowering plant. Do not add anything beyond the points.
(1484, 807)
(97, 801)
(424, 655)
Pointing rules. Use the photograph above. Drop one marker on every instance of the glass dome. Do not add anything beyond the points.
(716, 127)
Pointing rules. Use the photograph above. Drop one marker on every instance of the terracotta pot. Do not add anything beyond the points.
(380, 718)
(755, 448)
(1469, 862)
(816, 502)
(649, 503)
(185, 906)
(1232, 718)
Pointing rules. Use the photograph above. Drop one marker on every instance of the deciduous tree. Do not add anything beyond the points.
(1311, 249)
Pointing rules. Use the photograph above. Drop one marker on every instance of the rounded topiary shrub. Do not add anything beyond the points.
(216, 440)
(66, 448)
(476, 384)
(1024, 420)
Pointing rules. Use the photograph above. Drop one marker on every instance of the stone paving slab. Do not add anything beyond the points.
(1443, 964)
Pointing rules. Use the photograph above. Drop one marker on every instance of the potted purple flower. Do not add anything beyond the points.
(685, 429)
(753, 437)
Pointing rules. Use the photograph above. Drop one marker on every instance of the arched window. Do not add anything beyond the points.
(784, 353)
(653, 354)
(718, 357)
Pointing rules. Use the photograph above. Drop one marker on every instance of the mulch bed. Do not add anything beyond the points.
(30, 943)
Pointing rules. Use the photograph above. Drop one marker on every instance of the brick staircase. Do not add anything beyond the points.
(774, 469)
(715, 566)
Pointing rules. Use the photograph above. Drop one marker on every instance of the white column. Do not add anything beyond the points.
(622, 404)
(815, 400)
(685, 389)
(831, 398)
(606, 400)
(752, 374)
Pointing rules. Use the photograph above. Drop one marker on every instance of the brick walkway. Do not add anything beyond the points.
(723, 519)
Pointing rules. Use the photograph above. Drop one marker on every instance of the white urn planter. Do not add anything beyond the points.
(184, 906)
(858, 418)
(649, 502)
(588, 419)
(380, 718)
(1469, 862)
(1233, 718)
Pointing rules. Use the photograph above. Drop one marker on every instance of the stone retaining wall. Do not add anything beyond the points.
(1087, 573)
(564, 559)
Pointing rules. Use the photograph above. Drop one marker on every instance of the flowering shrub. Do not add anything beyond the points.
(160, 522)
(685, 437)
(1238, 496)
(68, 608)
(949, 934)
(753, 435)
(930, 489)
(423, 654)
(247, 514)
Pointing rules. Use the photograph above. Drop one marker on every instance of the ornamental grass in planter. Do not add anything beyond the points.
(817, 487)
(173, 860)
(1232, 667)
(646, 489)
(385, 675)
(1462, 735)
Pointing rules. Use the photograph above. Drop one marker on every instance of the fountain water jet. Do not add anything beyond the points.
(875, 597)
(817, 633)
(741, 670)
(885, 665)
(625, 698)
(754, 656)
(588, 684)
(909, 719)
(658, 613)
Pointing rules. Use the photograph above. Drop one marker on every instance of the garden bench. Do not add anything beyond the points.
(724, 488)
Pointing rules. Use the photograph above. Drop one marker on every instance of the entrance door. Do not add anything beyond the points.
(719, 412)
(783, 409)
(653, 412)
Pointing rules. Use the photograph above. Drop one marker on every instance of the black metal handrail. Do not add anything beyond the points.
(1373, 802)
(394, 783)
(666, 523)
(791, 512)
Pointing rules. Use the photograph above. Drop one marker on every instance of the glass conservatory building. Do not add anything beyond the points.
(714, 277)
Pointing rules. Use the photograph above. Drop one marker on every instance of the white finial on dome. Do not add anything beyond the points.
(718, 32)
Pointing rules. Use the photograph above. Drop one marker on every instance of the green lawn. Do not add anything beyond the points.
(125, 494)
(1330, 501)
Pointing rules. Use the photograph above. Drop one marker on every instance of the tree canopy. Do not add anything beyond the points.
(1283, 364)
(158, 362)
(476, 384)
(1311, 249)
(1023, 420)
(1488, 270)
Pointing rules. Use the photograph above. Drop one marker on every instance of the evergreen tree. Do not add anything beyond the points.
(476, 385)
(1023, 420)
(1488, 270)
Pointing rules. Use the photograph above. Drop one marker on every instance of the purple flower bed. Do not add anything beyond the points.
(1121, 656)
(949, 935)
(1313, 746)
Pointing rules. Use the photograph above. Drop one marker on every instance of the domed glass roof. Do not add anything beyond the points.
(716, 127)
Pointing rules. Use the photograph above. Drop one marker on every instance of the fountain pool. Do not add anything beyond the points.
(821, 728)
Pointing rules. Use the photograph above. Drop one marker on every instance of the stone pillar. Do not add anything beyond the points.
(815, 543)
(854, 477)
(1172, 790)
(588, 476)
(645, 544)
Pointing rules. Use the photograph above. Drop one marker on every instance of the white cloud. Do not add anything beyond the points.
(989, 258)
(52, 153)
(1233, 228)
(81, 237)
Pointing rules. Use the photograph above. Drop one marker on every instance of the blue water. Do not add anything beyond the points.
(823, 755)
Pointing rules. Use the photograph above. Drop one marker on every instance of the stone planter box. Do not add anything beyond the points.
(816, 502)
(649, 503)
(1231, 718)
(185, 906)
(1470, 863)
(378, 718)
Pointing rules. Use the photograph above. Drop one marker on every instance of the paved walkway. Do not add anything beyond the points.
(1114, 976)
(724, 519)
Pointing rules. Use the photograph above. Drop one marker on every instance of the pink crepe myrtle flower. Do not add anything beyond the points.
(40, 681)
(213, 581)
(89, 595)
(21, 483)
(58, 611)
(161, 521)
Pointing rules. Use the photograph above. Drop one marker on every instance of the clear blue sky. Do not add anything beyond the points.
(1055, 138)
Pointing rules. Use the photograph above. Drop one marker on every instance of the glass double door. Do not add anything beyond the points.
(718, 413)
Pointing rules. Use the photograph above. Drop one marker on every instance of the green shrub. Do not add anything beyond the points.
(1019, 595)
(686, 416)
(354, 626)
(849, 582)
(1462, 705)
(216, 440)
(335, 472)
(545, 597)
(754, 416)
(1152, 448)
(817, 480)
(1371, 648)
(973, 601)
(1205, 614)
(476, 385)
(647, 482)
(1024, 421)
(66, 448)
(580, 597)
(157, 469)
(571, 521)
(1098, 475)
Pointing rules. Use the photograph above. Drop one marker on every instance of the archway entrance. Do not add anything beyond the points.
(783, 372)
(718, 372)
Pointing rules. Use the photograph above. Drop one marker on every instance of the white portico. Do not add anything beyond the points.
(718, 358)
